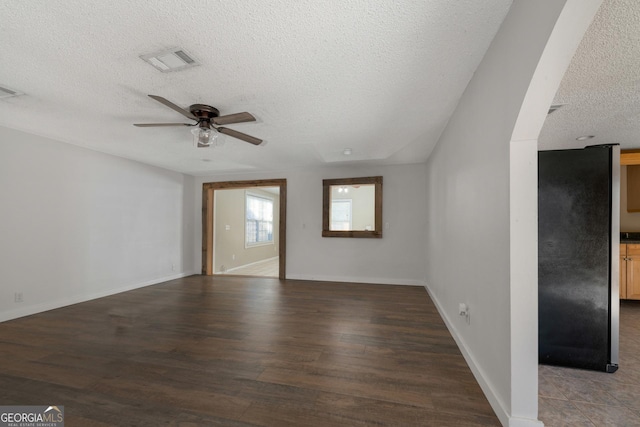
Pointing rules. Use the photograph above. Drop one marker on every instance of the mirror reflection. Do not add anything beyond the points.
(352, 207)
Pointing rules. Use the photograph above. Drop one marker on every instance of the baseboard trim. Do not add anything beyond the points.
(350, 279)
(495, 402)
(524, 422)
(76, 299)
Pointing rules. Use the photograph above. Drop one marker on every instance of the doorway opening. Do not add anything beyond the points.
(244, 228)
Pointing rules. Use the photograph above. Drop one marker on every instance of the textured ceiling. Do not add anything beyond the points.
(602, 85)
(379, 77)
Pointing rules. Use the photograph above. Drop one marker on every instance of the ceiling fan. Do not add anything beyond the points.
(206, 117)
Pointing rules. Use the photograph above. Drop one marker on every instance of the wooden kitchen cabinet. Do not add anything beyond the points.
(630, 277)
(633, 188)
(623, 271)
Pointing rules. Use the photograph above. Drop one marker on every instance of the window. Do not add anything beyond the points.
(259, 220)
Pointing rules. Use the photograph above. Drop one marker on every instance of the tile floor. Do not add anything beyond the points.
(574, 397)
(266, 268)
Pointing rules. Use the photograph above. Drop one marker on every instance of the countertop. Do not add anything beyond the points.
(631, 237)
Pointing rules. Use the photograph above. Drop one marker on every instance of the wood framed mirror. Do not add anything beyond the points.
(352, 207)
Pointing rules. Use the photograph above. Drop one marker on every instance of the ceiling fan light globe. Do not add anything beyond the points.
(204, 137)
(215, 140)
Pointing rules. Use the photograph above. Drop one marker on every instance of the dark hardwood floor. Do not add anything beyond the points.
(240, 351)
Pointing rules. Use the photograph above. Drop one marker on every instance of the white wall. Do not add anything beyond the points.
(77, 224)
(397, 258)
(482, 201)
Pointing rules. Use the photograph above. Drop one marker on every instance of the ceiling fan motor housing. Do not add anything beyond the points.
(204, 113)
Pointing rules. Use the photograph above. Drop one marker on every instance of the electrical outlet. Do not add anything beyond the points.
(173, 267)
(18, 297)
(233, 257)
(463, 310)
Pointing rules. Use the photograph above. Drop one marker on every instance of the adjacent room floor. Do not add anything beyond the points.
(267, 268)
(574, 397)
(241, 351)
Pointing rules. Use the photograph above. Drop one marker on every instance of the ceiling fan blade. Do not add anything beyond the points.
(149, 125)
(243, 136)
(173, 106)
(234, 118)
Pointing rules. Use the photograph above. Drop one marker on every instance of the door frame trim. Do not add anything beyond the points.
(208, 209)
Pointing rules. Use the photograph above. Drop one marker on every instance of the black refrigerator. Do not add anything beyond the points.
(578, 257)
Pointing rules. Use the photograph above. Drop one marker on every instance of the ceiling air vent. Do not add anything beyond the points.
(5, 92)
(175, 59)
(555, 107)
